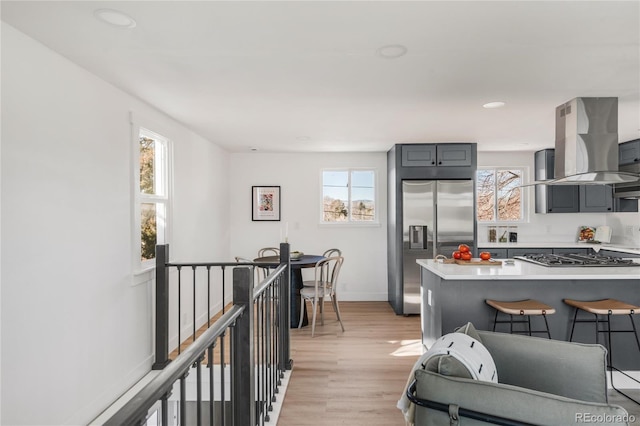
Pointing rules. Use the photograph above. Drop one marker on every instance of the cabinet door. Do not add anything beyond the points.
(625, 205)
(596, 198)
(454, 155)
(418, 155)
(618, 254)
(496, 253)
(563, 199)
(522, 251)
(629, 152)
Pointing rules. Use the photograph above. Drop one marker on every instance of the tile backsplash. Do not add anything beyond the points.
(625, 228)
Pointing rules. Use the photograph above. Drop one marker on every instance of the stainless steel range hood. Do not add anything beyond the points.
(586, 145)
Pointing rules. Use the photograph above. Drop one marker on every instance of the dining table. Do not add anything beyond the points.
(297, 264)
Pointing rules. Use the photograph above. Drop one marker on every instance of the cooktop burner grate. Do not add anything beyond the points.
(576, 260)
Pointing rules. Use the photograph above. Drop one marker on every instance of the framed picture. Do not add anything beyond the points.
(265, 203)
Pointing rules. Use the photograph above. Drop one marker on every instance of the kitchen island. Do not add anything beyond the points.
(453, 295)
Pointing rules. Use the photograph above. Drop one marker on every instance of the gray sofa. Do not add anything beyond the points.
(540, 381)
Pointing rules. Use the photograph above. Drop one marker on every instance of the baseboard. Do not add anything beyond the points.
(130, 381)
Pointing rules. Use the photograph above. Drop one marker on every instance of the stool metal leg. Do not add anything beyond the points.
(529, 323)
(573, 326)
(611, 367)
(547, 324)
(495, 320)
(635, 332)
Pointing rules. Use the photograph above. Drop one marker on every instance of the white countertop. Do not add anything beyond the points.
(596, 247)
(522, 270)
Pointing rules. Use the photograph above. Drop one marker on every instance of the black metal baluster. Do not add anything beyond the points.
(194, 304)
(183, 399)
(209, 296)
(222, 379)
(211, 379)
(199, 391)
(179, 307)
(223, 300)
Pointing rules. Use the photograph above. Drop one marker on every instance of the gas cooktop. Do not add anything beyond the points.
(576, 260)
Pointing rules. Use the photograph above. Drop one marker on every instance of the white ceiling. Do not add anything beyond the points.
(304, 76)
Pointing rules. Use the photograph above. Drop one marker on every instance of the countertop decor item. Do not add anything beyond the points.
(586, 233)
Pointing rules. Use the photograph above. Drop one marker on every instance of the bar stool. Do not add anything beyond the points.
(607, 307)
(526, 308)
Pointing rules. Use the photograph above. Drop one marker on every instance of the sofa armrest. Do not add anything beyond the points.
(506, 401)
(572, 370)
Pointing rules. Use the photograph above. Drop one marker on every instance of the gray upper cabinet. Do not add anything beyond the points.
(553, 199)
(418, 155)
(629, 152)
(596, 198)
(454, 155)
(437, 155)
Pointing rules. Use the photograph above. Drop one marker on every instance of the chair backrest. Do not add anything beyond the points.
(332, 252)
(326, 275)
(268, 251)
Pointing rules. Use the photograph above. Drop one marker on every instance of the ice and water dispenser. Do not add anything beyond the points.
(417, 237)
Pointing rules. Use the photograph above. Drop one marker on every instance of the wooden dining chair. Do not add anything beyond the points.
(264, 252)
(268, 251)
(323, 289)
(328, 253)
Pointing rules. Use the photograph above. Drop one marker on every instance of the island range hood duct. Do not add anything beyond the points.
(586, 148)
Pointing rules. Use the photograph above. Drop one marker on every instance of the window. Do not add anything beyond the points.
(349, 196)
(499, 195)
(152, 193)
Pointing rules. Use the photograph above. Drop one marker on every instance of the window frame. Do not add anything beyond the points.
(524, 196)
(138, 128)
(349, 221)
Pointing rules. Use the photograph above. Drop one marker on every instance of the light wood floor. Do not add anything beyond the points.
(355, 377)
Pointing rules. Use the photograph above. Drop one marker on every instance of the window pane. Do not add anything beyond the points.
(485, 195)
(335, 196)
(363, 195)
(509, 205)
(147, 165)
(148, 231)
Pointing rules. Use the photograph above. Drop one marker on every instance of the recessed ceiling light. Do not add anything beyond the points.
(253, 149)
(115, 18)
(392, 51)
(494, 105)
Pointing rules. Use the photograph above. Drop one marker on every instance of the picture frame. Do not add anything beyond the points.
(265, 203)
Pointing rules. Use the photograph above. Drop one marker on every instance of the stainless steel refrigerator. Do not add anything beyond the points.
(437, 216)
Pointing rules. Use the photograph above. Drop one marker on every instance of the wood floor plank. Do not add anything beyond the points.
(355, 377)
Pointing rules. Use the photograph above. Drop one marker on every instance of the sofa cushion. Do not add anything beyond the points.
(460, 355)
(507, 401)
(469, 330)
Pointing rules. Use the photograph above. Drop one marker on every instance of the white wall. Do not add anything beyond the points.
(364, 273)
(560, 227)
(76, 331)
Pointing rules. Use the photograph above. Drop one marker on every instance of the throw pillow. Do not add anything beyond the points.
(460, 355)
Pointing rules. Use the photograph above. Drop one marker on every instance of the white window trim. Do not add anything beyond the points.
(524, 197)
(349, 223)
(144, 271)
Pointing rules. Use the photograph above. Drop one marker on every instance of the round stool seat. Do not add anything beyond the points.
(522, 307)
(604, 307)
